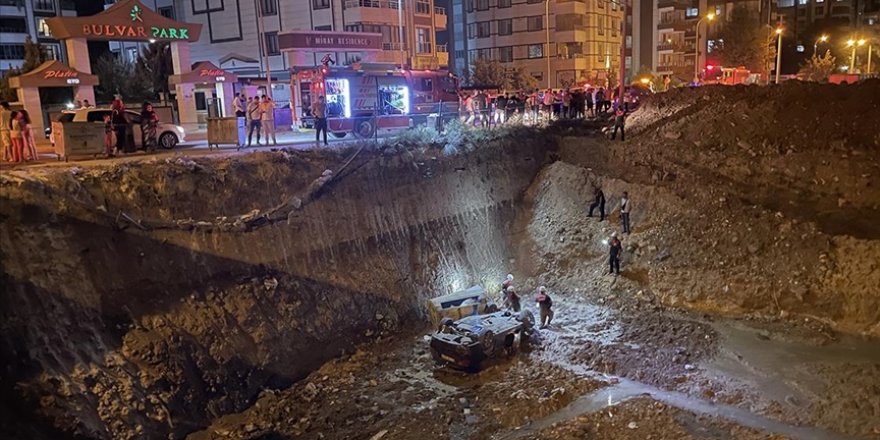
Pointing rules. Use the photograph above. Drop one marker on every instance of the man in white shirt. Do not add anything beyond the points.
(267, 107)
(238, 106)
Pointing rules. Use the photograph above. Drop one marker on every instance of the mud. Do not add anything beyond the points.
(233, 297)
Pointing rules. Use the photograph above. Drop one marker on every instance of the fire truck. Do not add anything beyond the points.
(362, 100)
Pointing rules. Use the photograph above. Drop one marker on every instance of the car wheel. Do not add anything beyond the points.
(364, 127)
(487, 340)
(338, 135)
(168, 140)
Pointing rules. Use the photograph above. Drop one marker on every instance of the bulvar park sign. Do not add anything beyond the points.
(125, 21)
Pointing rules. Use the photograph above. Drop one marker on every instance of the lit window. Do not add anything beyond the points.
(692, 12)
(803, 2)
(800, 48)
(536, 50)
(719, 10)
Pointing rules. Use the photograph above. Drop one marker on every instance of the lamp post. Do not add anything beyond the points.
(852, 58)
(778, 52)
(547, 35)
(822, 39)
(709, 17)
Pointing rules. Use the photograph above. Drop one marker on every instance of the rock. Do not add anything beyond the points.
(379, 316)
(632, 425)
(664, 254)
(689, 367)
(379, 434)
(270, 284)
(250, 427)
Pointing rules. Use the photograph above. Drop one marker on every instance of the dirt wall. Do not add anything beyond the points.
(112, 329)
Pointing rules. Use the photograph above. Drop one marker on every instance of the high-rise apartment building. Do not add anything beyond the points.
(20, 19)
(682, 45)
(559, 42)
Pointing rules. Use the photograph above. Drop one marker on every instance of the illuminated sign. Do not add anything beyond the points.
(128, 31)
(210, 72)
(73, 80)
(60, 74)
(323, 40)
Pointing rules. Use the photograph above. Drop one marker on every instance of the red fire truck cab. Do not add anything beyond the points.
(364, 101)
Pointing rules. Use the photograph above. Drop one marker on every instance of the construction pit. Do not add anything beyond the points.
(244, 296)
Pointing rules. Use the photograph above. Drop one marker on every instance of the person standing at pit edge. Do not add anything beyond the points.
(267, 107)
(598, 202)
(319, 111)
(544, 306)
(5, 131)
(255, 116)
(624, 212)
(619, 120)
(238, 106)
(615, 249)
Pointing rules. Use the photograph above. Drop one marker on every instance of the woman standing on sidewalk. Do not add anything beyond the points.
(15, 133)
(120, 125)
(149, 127)
(27, 136)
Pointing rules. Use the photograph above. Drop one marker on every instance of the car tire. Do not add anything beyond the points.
(339, 135)
(487, 340)
(364, 127)
(168, 140)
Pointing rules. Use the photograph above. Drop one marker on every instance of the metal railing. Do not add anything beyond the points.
(441, 48)
(393, 46)
(439, 11)
(379, 4)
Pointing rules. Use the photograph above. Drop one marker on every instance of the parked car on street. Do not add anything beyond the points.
(169, 135)
(465, 343)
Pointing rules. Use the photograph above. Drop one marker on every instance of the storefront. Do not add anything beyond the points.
(130, 20)
(50, 74)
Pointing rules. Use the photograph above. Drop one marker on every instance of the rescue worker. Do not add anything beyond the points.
(624, 212)
(619, 120)
(506, 282)
(598, 202)
(511, 299)
(615, 249)
(544, 306)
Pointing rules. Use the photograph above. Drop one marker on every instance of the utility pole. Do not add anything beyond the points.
(547, 33)
(778, 52)
(400, 25)
(267, 70)
(622, 75)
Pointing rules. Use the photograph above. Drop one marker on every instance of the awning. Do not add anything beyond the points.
(53, 73)
(203, 72)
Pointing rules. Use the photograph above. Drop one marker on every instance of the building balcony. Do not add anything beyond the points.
(681, 47)
(676, 25)
(675, 4)
(576, 35)
(570, 7)
(571, 62)
(372, 11)
(440, 19)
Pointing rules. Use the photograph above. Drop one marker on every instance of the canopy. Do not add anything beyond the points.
(203, 72)
(53, 73)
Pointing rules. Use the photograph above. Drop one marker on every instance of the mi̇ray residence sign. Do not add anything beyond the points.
(329, 41)
(128, 20)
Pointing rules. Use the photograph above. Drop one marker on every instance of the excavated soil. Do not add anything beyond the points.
(245, 297)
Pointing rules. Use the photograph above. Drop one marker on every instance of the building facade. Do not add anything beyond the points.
(558, 42)
(20, 19)
(682, 45)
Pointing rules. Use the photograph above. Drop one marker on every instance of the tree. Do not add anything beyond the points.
(118, 76)
(34, 55)
(155, 62)
(485, 73)
(744, 41)
(818, 68)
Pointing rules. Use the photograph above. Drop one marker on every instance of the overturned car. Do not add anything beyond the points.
(465, 343)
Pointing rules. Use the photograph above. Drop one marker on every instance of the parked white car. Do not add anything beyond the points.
(169, 134)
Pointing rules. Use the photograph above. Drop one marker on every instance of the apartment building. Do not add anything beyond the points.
(682, 50)
(20, 19)
(558, 42)
(232, 39)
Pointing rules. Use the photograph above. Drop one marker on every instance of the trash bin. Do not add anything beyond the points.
(77, 139)
(226, 131)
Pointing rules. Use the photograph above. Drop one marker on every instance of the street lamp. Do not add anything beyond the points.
(547, 34)
(709, 17)
(778, 52)
(852, 58)
(822, 39)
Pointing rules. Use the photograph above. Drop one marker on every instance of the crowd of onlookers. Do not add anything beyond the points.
(485, 108)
